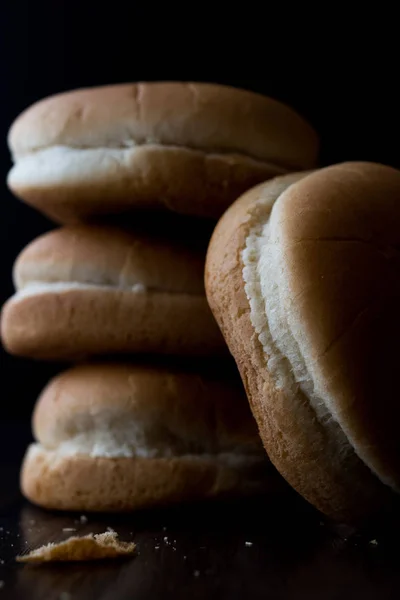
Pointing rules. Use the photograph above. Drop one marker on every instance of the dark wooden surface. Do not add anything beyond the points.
(269, 549)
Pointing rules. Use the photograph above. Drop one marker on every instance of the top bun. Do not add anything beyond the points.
(189, 147)
(200, 116)
(310, 312)
(110, 256)
(146, 411)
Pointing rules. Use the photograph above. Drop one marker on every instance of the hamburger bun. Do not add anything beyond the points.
(115, 437)
(187, 147)
(303, 277)
(84, 291)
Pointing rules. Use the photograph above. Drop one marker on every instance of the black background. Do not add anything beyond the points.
(48, 47)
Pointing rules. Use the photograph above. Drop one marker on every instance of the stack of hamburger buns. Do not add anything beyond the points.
(136, 176)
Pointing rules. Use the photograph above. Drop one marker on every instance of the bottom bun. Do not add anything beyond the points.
(70, 323)
(85, 483)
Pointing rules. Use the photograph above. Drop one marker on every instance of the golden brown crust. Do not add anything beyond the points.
(348, 240)
(122, 484)
(77, 323)
(214, 118)
(111, 256)
(295, 441)
(189, 148)
(174, 409)
(80, 185)
(123, 436)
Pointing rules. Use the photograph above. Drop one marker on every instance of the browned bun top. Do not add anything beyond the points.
(340, 228)
(303, 277)
(111, 256)
(199, 116)
(158, 410)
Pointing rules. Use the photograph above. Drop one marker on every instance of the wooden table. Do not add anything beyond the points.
(261, 549)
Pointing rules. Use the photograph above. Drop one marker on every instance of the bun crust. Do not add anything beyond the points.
(83, 483)
(333, 235)
(71, 186)
(122, 437)
(213, 118)
(72, 324)
(86, 291)
(190, 148)
(111, 256)
(172, 410)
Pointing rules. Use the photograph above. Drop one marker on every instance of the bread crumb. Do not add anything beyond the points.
(88, 547)
(196, 573)
(373, 542)
(83, 519)
(69, 529)
(1, 584)
(248, 544)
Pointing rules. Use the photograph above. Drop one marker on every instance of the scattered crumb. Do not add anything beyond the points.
(156, 547)
(248, 544)
(1, 584)
(1, 562)
(164, 529)
(69, 529)
(166, 540)
(1, 528)
(88, 547)
(83, 519)
(185, 557)
(373, 542)
(111, 530)
(196, 573)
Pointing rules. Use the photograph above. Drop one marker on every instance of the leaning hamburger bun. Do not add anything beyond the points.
(303, 277)
(122, 437)
(188, 147)
(85, 291)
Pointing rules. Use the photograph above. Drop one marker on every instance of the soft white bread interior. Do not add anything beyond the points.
(119, 436)
(303, 276)
(102, 289)
(188, 147)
